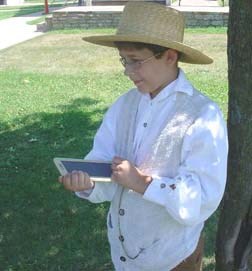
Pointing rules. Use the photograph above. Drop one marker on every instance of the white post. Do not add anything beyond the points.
(168, 2)
(88, 2)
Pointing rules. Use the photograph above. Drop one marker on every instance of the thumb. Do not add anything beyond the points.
(117, 160)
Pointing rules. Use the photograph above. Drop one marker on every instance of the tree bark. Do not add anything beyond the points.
(80, 2)
(234, 236)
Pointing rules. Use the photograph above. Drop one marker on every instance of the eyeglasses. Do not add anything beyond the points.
(136, 64)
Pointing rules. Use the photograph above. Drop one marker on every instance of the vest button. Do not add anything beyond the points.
(145, 124)
(162, 185)
(121, 212)
(173, 186)
(121, 238)
(123, 259)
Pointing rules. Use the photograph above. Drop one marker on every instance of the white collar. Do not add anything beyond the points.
(181, 84)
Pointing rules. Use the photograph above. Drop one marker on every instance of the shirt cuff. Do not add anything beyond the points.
(84, 194)
(159, 189)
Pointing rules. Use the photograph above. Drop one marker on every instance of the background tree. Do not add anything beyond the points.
(234, 237)
(80, 2)
(84, 2)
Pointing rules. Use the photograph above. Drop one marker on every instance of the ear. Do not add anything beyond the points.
(171, 56)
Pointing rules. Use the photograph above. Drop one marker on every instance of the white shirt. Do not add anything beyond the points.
(201, 179)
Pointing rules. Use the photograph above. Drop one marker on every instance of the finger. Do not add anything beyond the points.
(114, 166)
(75, 179)
(85, 176)
(116, 177)
(81, 179)
(117, 160)
(66, 180)
(113, 177)
(88, 182)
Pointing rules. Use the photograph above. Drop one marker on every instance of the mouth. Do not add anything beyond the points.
(137, 82)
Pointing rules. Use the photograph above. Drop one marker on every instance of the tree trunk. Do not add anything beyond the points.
(80, 2)
(234, 237)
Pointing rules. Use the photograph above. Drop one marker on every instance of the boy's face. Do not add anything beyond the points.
(148, 73)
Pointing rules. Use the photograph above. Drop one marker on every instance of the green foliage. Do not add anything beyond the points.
(223, 3)
(54, 91)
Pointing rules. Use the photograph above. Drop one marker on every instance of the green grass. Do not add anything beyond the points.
(49, 1)
(54, 91)
(15, 11)
(8, 12)
(207, 30)
(37, 21)
(34, 1)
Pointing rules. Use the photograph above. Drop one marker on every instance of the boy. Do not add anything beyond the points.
(168, 147)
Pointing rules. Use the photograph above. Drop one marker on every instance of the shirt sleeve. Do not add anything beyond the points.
(103, 191)
(195, 193)
(103, 149)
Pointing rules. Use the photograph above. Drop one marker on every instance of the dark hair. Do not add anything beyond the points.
(140, 45)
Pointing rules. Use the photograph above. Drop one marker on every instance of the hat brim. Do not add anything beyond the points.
(188, 54)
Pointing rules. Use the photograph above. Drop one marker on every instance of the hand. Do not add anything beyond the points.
(126, 174)
(76, 181)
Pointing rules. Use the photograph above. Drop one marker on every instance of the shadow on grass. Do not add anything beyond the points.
(210, 230)
(44, 227)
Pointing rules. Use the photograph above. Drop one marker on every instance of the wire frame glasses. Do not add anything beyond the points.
(136, 64)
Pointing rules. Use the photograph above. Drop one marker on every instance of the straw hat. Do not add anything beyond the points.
(155, 24)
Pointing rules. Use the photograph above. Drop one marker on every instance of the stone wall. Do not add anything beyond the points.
(120, 2)
(108, 17)
(85, 19)
(206, 19)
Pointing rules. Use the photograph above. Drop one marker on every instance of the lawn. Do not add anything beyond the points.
(54, 91)
(14, 11)
(30, 7)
